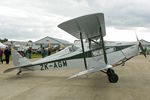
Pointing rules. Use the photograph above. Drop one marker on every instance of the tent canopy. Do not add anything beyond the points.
(2, 45)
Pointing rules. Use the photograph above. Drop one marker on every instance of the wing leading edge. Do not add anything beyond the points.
(91, 70)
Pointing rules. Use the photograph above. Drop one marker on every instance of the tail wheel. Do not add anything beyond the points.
(19, 72)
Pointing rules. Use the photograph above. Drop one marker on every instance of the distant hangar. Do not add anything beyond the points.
(52, 41)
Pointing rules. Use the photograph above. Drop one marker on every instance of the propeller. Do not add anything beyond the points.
(143, 51)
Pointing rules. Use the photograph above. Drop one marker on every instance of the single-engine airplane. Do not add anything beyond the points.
(89, 53)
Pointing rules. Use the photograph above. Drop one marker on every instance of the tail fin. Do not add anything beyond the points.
(18, 60)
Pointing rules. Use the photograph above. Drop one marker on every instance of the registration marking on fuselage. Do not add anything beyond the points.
(57, 64)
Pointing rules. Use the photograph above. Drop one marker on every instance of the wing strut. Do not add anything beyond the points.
(102, 40)
(85, 63)
(103, 46)
(81, 37)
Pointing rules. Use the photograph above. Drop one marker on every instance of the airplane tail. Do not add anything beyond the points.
(18, 60)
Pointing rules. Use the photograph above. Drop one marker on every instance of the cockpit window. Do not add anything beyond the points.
(73, 48)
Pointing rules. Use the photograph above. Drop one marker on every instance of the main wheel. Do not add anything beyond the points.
(110, 71)
(113, 78)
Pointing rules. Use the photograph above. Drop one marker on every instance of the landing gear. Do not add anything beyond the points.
(19, 72)
(112, 76)
(110, 71)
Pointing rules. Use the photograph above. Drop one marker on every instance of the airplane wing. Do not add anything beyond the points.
(88, 25)
(90, 71)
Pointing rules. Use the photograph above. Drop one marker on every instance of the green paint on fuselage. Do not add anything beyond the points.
(88, 54)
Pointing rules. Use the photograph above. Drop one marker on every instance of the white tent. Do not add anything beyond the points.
(2, 45)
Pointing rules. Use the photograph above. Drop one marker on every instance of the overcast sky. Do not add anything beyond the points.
(35, 19)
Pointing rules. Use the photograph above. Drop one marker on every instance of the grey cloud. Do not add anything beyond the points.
(125, 13)
(41, 17)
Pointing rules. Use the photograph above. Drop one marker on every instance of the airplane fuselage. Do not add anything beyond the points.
(74, 58)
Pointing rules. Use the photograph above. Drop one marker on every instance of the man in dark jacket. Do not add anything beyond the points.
(7, 53)
(1, 55)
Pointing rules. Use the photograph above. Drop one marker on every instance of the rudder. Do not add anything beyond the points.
(18, 60)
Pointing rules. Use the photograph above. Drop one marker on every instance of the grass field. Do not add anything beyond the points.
(36, 56)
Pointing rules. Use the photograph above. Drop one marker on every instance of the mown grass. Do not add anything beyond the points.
(36, 56)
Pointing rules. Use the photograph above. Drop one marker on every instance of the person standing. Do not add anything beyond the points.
(43, 52)
(49, 51)
(29, 51)
(1, 55)
(7, 53)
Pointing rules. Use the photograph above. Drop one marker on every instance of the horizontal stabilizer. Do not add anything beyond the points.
(90, 71)
(10, 69)
(18, 67)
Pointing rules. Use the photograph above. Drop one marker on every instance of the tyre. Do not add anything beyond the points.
(110, 71)
(113, 78)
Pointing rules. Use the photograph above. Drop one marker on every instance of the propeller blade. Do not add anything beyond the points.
(142, 49)
(137, 37)
(141, 46)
